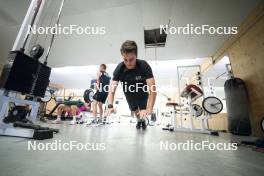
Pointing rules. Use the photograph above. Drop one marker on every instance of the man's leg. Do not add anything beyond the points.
(137, 106)
(102, 96)
(74, 111)
(60, 110)
(139, 122)
(133, 106)
(94, 105)
(142, 105)
(100, 105)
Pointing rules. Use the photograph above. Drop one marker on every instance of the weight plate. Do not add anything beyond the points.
(197, 110)
(59, 99)
(91, 94)
(47, 97)
(88, 95)
(36, 51)
(212, 105)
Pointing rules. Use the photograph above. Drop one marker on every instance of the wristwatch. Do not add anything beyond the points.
(110, 106)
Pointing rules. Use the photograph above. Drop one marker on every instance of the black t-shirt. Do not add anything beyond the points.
(104, 81)
(131, 78)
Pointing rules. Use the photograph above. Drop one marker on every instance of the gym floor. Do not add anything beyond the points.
(128, 152)
(202, 61)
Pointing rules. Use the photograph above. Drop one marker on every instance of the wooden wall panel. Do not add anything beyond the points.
(246, 53)
(247, 60)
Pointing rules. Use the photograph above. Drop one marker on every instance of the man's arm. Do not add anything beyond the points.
(112, 90)
(152, 94)
(151, 98)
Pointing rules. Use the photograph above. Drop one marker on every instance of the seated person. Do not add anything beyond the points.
(84, 106)
(69, 111)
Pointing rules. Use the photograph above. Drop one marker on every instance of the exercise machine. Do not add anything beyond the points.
(171, 125)
(192, 93)
(211, 105)
(25, 75)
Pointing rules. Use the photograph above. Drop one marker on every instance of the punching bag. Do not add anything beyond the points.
(237, 106)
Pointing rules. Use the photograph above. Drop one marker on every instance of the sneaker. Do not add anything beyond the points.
(73, 122)
(57, 121)
(93, 122)
(104, 120)
(99, 121)
(143, 124)
(138, 124)
(81, 121)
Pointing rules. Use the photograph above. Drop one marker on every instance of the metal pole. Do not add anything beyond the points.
(179, 89)
(25, 22)
(39, 2)
(53, 35)
(179, 93)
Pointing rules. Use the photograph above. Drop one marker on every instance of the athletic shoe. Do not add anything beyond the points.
(104, 120)
(73, 122)
(143, 124)
(57, 121)
(81, 121)
(99, 121)
(93, 122)
(138, 124)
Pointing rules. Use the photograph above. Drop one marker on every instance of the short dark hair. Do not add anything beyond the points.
(103, 65)
(129, 46)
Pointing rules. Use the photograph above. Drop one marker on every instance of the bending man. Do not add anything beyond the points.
(138, 83)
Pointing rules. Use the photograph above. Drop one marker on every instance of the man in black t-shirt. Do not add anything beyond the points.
(99, 98)
(138, 83)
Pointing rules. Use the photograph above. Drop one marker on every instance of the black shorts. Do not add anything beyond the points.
(137, 104)
(100, 97)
